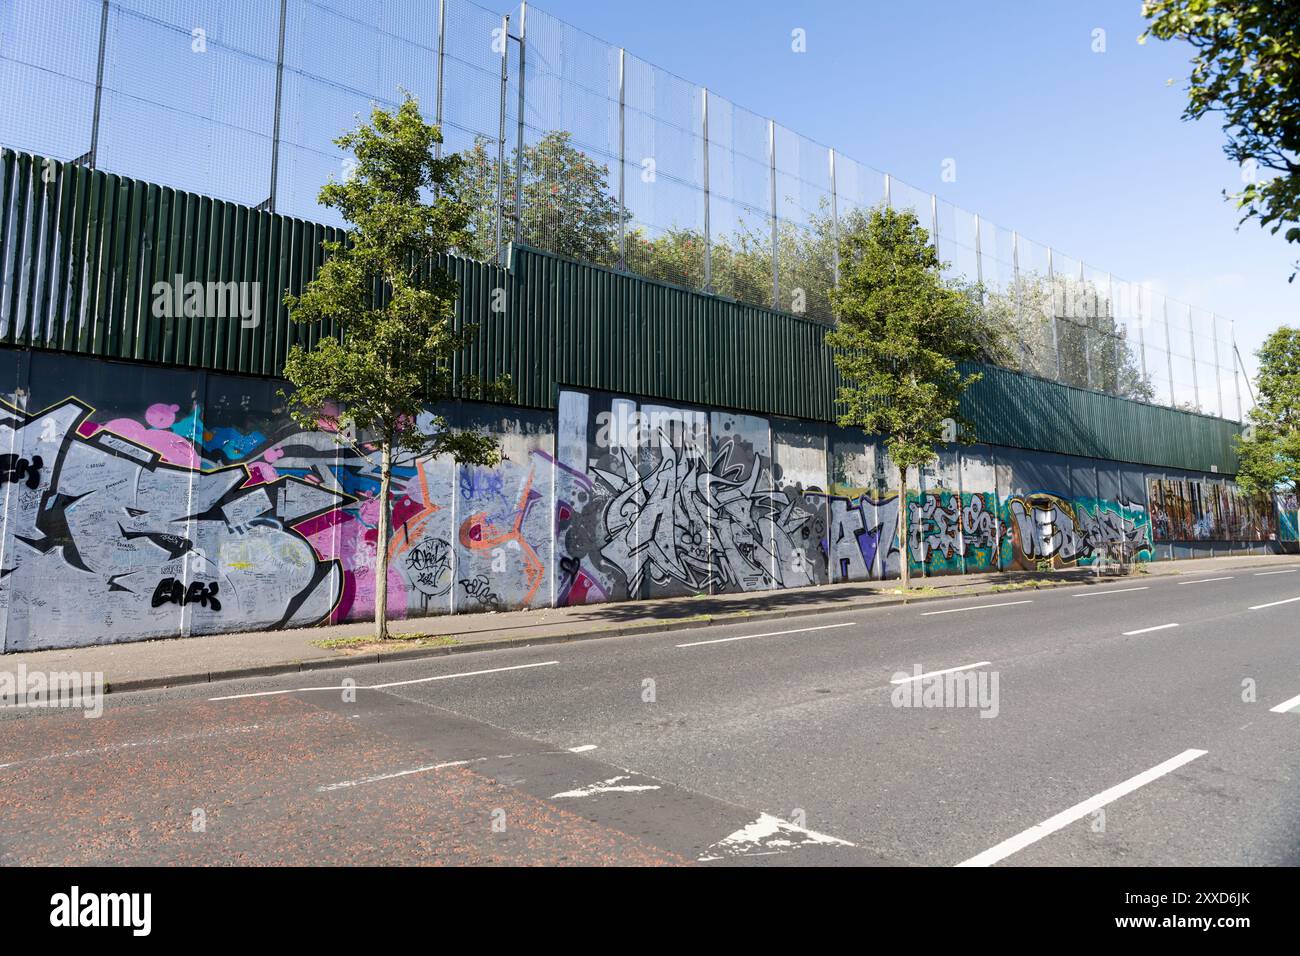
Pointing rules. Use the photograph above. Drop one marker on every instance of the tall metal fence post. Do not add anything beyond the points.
(1087, 343)
(442, 54)
(708, 242)
(279, 92)
(1015, 279)
(622, 158)
(519, 136)
(1236, 367)
(501, 128)
(979, 261)
(1169, 353)
(1113, 315)
(1218, 369)
(99, 84)
(1191, 341)
(1051, 285)
(771, 162)
(1142, 337)
(835, 220)
(889, 200)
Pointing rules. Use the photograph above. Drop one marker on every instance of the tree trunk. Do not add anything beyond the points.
(381, 545)
(904, 570)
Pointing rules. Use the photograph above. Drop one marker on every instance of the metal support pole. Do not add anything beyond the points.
(622, 159)
(99, 81)
(1015, 278)
(279, 90)
(1112, 314)
(934, 222)
(1169, 354)
(442, 53)
(835, 220)
(1236, 377)
(1051, 284)
(1087, 345)
(889, 199)
(708, 243)
(1218, 369)
(1191, 341)
(771, 162)
(501, 129)
(979, 261)
(1142, 338)
(519, 136)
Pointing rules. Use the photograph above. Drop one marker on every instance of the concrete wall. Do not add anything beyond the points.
(145, 502)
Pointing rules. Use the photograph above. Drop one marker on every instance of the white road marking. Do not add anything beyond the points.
(583, 749)
(396, 683)
(765, 836)
(1080, 810)
(1285, 706)
(977, 607)
(1207, 580)
(1148, 630)
(746, 637)
(1145, 587)
(611, 785)
(946, 670)
(1260, 607)
(393, 776)
(1260, 574)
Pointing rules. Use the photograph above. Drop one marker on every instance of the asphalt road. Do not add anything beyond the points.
(1090, 731)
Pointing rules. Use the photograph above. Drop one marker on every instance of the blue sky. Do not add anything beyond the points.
(1084, 151)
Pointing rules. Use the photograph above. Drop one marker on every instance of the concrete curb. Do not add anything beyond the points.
(615, 630)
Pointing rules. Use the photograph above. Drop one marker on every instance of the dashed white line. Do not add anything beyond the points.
(583, 749)
(946, 670)
(1207, 580)
(1145, 587)
(396, 683)
(747, 637)
(1148, 630)
(1080, 810)
(1260, 607)
(1285, 706)
(977, 607)
(1262, 574)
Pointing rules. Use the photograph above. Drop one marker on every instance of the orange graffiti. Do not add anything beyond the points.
(478, 533)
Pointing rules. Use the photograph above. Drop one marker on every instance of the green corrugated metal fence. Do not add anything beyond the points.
(81, 251)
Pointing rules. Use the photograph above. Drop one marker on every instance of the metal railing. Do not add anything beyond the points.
(571, 145)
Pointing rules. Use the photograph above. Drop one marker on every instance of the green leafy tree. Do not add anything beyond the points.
(568, 208)
(1246, 66)
(1270, 451)
(900, 335)
(392, 306)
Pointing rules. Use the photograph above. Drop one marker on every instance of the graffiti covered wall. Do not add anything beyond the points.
(143, 503)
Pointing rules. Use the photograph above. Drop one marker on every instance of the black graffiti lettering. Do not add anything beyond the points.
(14, 469)
(171, 591)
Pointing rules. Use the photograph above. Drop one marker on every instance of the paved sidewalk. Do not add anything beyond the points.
(191, 660)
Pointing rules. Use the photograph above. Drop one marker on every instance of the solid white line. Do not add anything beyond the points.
(746, 637)
(1260, 607)
(977, 607)
(393, 776)
(1260, 574)
(398, 683)
(946, 670)
(1145, 587)
(1063, 819)
(1206, 580)
(1148, 630)
(1285, 706)
(583, 749)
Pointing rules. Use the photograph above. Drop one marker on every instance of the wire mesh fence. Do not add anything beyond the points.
(571, 145)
